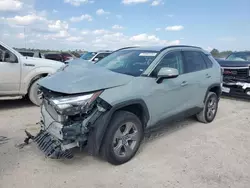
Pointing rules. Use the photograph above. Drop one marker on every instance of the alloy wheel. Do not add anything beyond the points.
(125, 140)
(211, 107)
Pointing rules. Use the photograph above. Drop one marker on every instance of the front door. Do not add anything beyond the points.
(10, 72)
(169, 97)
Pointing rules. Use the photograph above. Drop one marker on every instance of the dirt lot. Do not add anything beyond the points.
(185, 154)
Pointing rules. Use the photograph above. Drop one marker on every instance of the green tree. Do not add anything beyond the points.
(215, 52)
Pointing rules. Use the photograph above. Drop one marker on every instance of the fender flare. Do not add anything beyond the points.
(212, 86)
(98, 129)
(32, 75)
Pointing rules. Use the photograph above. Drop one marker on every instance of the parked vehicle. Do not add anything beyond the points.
(63, 57)
(109, 106)
(92, 56)
(236, 74)
(67, 56)
(54, 56)
(95, 56)
(30, 53)
(19, 75)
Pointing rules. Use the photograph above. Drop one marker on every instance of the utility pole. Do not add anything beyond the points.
(24, 37)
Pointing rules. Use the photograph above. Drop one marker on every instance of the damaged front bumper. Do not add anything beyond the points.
(59, 135)
(236, 88)
(51, 146)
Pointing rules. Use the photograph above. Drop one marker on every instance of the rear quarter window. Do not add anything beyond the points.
(207, 60)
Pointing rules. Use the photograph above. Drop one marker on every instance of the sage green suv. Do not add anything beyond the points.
(108, 106)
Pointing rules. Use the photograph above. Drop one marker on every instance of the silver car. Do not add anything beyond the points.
(108, 106)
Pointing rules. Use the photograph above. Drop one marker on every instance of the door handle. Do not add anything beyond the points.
(184, 83)
(208, 76)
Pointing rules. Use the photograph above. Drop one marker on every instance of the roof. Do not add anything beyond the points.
(157, 48)
(104, 51)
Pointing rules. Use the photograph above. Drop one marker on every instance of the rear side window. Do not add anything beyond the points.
(207, 60)
(193, 62)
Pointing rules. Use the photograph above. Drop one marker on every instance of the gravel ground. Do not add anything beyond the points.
(184, 154)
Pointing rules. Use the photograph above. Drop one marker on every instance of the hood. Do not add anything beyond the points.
(81, 76)
(42, 62)
(227, 63)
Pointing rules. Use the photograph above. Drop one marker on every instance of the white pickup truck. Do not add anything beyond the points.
(19, 74)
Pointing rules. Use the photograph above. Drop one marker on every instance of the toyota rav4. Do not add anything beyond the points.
(107, 107)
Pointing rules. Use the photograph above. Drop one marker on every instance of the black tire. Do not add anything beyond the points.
(120, 119)
(33, 94)
(204, 116)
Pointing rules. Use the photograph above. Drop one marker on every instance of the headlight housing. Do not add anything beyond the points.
(72, 105)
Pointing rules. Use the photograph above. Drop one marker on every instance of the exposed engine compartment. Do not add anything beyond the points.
(62, 130)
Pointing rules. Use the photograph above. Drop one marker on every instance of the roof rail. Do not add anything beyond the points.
(174, 46)
(126, 48)
(104, 51)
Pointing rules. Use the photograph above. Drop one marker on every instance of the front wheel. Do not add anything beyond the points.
(123, 138)
(35, 95)
(209, 111)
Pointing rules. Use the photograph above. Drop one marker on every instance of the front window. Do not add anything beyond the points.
(239, 56)
(88, 55)
(171, 60)
(130, 62)
(7, 56)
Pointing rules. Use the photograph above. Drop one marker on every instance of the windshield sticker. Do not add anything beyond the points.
(148, 54)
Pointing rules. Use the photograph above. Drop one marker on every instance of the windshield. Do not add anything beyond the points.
(130, 62)
(88, 55)
(239, 56)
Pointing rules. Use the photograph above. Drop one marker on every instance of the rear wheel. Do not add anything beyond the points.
(209, 111)
(123, 138)
(35, 95)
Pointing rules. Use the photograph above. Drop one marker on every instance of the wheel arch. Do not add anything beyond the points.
(35, 78)
(135, 106)
(101, 125)
(28, 78)
(216, 88)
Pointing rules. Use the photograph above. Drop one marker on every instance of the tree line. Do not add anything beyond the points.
(216, 53)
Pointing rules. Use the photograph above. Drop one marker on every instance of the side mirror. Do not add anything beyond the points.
(166, 73)
(96, 59)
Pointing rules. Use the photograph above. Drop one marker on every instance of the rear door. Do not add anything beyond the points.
(197, 74)
(10, 72)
